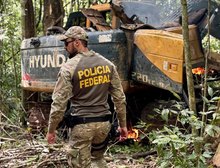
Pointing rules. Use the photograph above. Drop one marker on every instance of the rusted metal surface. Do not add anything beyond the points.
(97, 19)
(38, 86)
(119, 12)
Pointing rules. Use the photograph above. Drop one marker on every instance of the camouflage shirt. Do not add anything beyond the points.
(86, 80)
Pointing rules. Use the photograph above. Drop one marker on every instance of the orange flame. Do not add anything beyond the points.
(198, 71)
(133, 134)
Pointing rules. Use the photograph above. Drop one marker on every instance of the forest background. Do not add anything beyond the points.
(21, 19)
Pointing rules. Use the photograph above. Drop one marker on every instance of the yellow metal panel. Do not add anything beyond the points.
(178, 30)
(171, 67)
(164, 49)
(160, 42)
(195, 44)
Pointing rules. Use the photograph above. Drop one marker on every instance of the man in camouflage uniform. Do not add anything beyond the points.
(86, 79)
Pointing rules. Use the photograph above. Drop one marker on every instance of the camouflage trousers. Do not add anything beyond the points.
(82, 136)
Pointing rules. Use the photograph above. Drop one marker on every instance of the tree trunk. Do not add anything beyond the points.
(71, 6)
(189, 76)
(39, 19)
(53, 14)
(1, 58)
(1, 74)
(28, 20)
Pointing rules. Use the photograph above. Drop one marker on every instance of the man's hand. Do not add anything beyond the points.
(123, 133)
(51, 137)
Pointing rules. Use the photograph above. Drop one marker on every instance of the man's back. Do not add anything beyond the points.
(91, 80)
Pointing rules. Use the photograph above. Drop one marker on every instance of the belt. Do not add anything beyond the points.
(84, 120)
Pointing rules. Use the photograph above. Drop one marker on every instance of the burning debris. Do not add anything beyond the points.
(133, 134)
(198, 71)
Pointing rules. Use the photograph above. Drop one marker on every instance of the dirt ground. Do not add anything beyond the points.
(37, 154)
(126, 161)
(19, 148)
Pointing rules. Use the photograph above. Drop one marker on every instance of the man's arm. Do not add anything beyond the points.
(119, 101)
(61, 95)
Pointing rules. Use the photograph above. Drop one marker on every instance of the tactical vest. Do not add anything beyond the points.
(91, 80)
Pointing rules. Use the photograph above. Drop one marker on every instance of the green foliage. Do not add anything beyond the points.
(38, 16)
(175, 148)
(214, 44)
(128, 149)
(10, 56)
(217, 1)
(175, 143)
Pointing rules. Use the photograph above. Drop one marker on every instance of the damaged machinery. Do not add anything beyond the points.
(146, 45)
